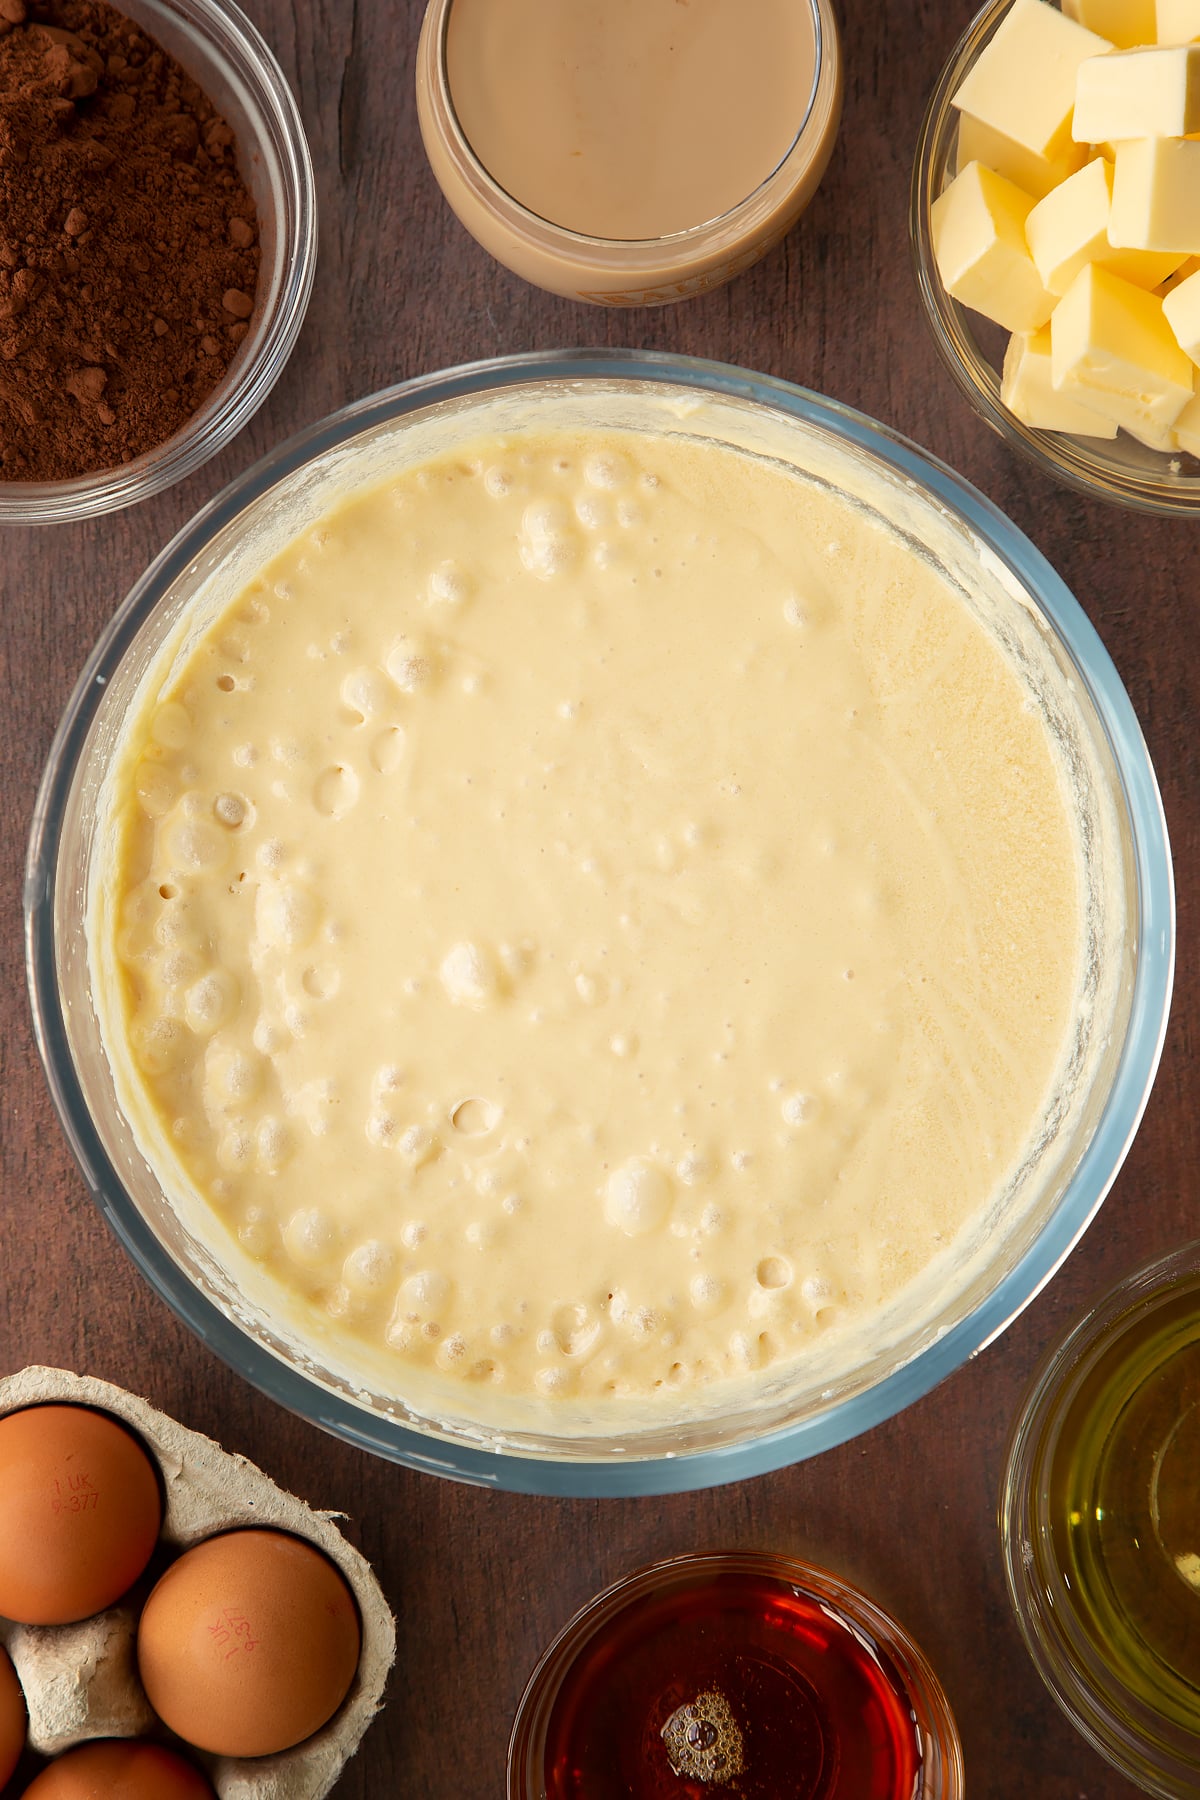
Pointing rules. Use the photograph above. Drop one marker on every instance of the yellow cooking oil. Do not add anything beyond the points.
(1125, 1505)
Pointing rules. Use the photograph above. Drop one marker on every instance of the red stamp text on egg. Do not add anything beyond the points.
(76, 1494)
(231, 1632)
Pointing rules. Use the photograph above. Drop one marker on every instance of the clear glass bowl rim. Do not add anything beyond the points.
(1098, 1164)
(935, 1719)
(231, 38)
(1066, 459)
(1082, 1684)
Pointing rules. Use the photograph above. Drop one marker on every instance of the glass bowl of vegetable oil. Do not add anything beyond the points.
(1100, 1523)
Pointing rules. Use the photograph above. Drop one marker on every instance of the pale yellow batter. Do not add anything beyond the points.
(595, 916)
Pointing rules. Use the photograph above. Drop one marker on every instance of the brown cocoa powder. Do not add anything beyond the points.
(128, 241)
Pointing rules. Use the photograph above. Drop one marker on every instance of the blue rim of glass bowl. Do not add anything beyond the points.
(1099, 1162)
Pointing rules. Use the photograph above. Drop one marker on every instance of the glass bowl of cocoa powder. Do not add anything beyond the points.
(158, 240)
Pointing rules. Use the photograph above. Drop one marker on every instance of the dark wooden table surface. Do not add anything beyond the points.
(480, 1581)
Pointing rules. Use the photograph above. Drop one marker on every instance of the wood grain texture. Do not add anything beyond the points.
(480, 1581)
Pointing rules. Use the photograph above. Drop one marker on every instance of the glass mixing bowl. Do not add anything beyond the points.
(1121, 470)
(228, 58)
(1129, 952)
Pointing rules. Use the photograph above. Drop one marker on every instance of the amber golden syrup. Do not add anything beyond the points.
(736, 1687)
(1125, 1506)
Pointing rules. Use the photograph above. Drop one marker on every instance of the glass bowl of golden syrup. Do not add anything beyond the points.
(1100, 1522)
(733, 1676)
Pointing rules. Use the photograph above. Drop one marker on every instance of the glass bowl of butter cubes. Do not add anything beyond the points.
(1056, 235)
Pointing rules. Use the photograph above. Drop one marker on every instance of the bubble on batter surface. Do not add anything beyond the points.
(638, 1197)
(574, 1330)
(274, 1143)
(450, 585)
(321, 981)
(335, 791)
(555, 1381)
(773, 1272)
(178, 969)
(549, 544)
(424, 1295)
(817, 1292)
(235, 1149)
(267, 1037)
(798, 1109)
(383, 1128)
(286, 915)
(470, 976)
(592, 989)
(341, 1302)
(411, 665)
(607, 470)
(451, 1352)
(192, 844)
(211, 1002)
(418, 1144)
(475, 1117)
(309, 1236)
(256, 1230)
(369, 1265)
(171, 726)
(271, 854)
(388, 1078)
(232, 811)
(707, 1293)
(155, 788)
(231, 1077)
(365, 692)
(158, 1044)
(387, 749)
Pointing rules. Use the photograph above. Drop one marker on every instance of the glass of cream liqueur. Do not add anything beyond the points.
(1100, 1518)
(735, 1676)
(628, 152)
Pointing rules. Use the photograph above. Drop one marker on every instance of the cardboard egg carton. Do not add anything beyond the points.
(81, 1681)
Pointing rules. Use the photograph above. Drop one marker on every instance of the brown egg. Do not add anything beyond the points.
(79, 1513)
(248, 1643)
(12, 1718)
(120, 1770)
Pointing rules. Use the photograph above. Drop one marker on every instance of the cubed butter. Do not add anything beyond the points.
(1181, 309)
(978, 142)
(1123, 22)
(1023, 81)
(1138, 94)
(1177, 21)
(1070, 228)
(1156, 195)
(1113, 351)
(1028, 391)
(1187, 428)
(979, 244)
